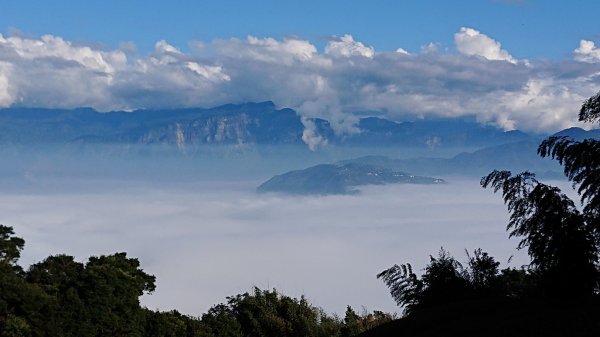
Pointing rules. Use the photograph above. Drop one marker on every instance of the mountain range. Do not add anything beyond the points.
(250, 123)
(254, 140)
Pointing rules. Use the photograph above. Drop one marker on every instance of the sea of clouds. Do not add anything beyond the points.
(205, 241)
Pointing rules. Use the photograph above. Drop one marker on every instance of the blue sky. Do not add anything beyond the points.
(514, 64)
(529, 29)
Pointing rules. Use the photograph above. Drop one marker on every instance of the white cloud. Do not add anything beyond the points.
(164, 53)
(5, 97)
(163, 46)
(288, 51)
(544, 104)
(49, 46)
(430, 48)
(402, 51)
(310, 136)
(333, 84)
(213, 73)
(587, 52)
(347, 47)
(300, 49)
(472, 42)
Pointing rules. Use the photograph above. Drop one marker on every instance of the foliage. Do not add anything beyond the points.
(484, 271)
(445, 280)
(559, 241)
(266, 313)
(405, 287)
(352, 323)
(581, 163)
(10, 246)
(63, 297)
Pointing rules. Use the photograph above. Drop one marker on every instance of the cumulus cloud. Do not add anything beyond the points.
(587, 52)
(268, 50)
(49, 46)
(5, 96)
(310, 135)
(402, 51)
(472, 42)
(210, 73)
(347, 47)
(344, 80)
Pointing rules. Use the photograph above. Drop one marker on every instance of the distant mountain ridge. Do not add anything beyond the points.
(516, 157)
(513, 156)
(249, 123)
(343, 176)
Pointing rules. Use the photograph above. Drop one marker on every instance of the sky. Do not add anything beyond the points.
(515, 64)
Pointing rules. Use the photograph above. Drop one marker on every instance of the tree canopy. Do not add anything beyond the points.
(60, 296)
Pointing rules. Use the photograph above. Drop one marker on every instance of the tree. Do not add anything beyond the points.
(110, 287)
(352, 323)
(405, 287)
(559, 241)
(581, 163)
(221, 321)
(60, 277)
(10, 246)
(22, 305)
(444, 281)
(11, 284)
(484, 271)
(267, 313)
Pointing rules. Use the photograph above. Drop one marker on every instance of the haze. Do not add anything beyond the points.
(205, 240)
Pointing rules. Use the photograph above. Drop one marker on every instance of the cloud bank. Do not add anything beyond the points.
(476, 77)
(207, 241)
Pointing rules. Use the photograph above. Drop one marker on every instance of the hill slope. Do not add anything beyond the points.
(338, 179)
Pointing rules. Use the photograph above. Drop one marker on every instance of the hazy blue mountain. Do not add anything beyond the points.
(233, 124)
(579, 133)
(339, 179)
(249, 140)
(228, 124)
(432, 133)
(515, 156)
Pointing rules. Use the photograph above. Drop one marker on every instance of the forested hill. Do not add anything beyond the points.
(339, 179)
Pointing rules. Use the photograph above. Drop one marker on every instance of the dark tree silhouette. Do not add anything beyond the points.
(590, 110)
(484, 271)
(405, 287)
(581, 163)
(559, 241)
(445, 280)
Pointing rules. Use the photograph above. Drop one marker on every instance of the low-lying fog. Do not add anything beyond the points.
(196, 222)
(205, 241)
